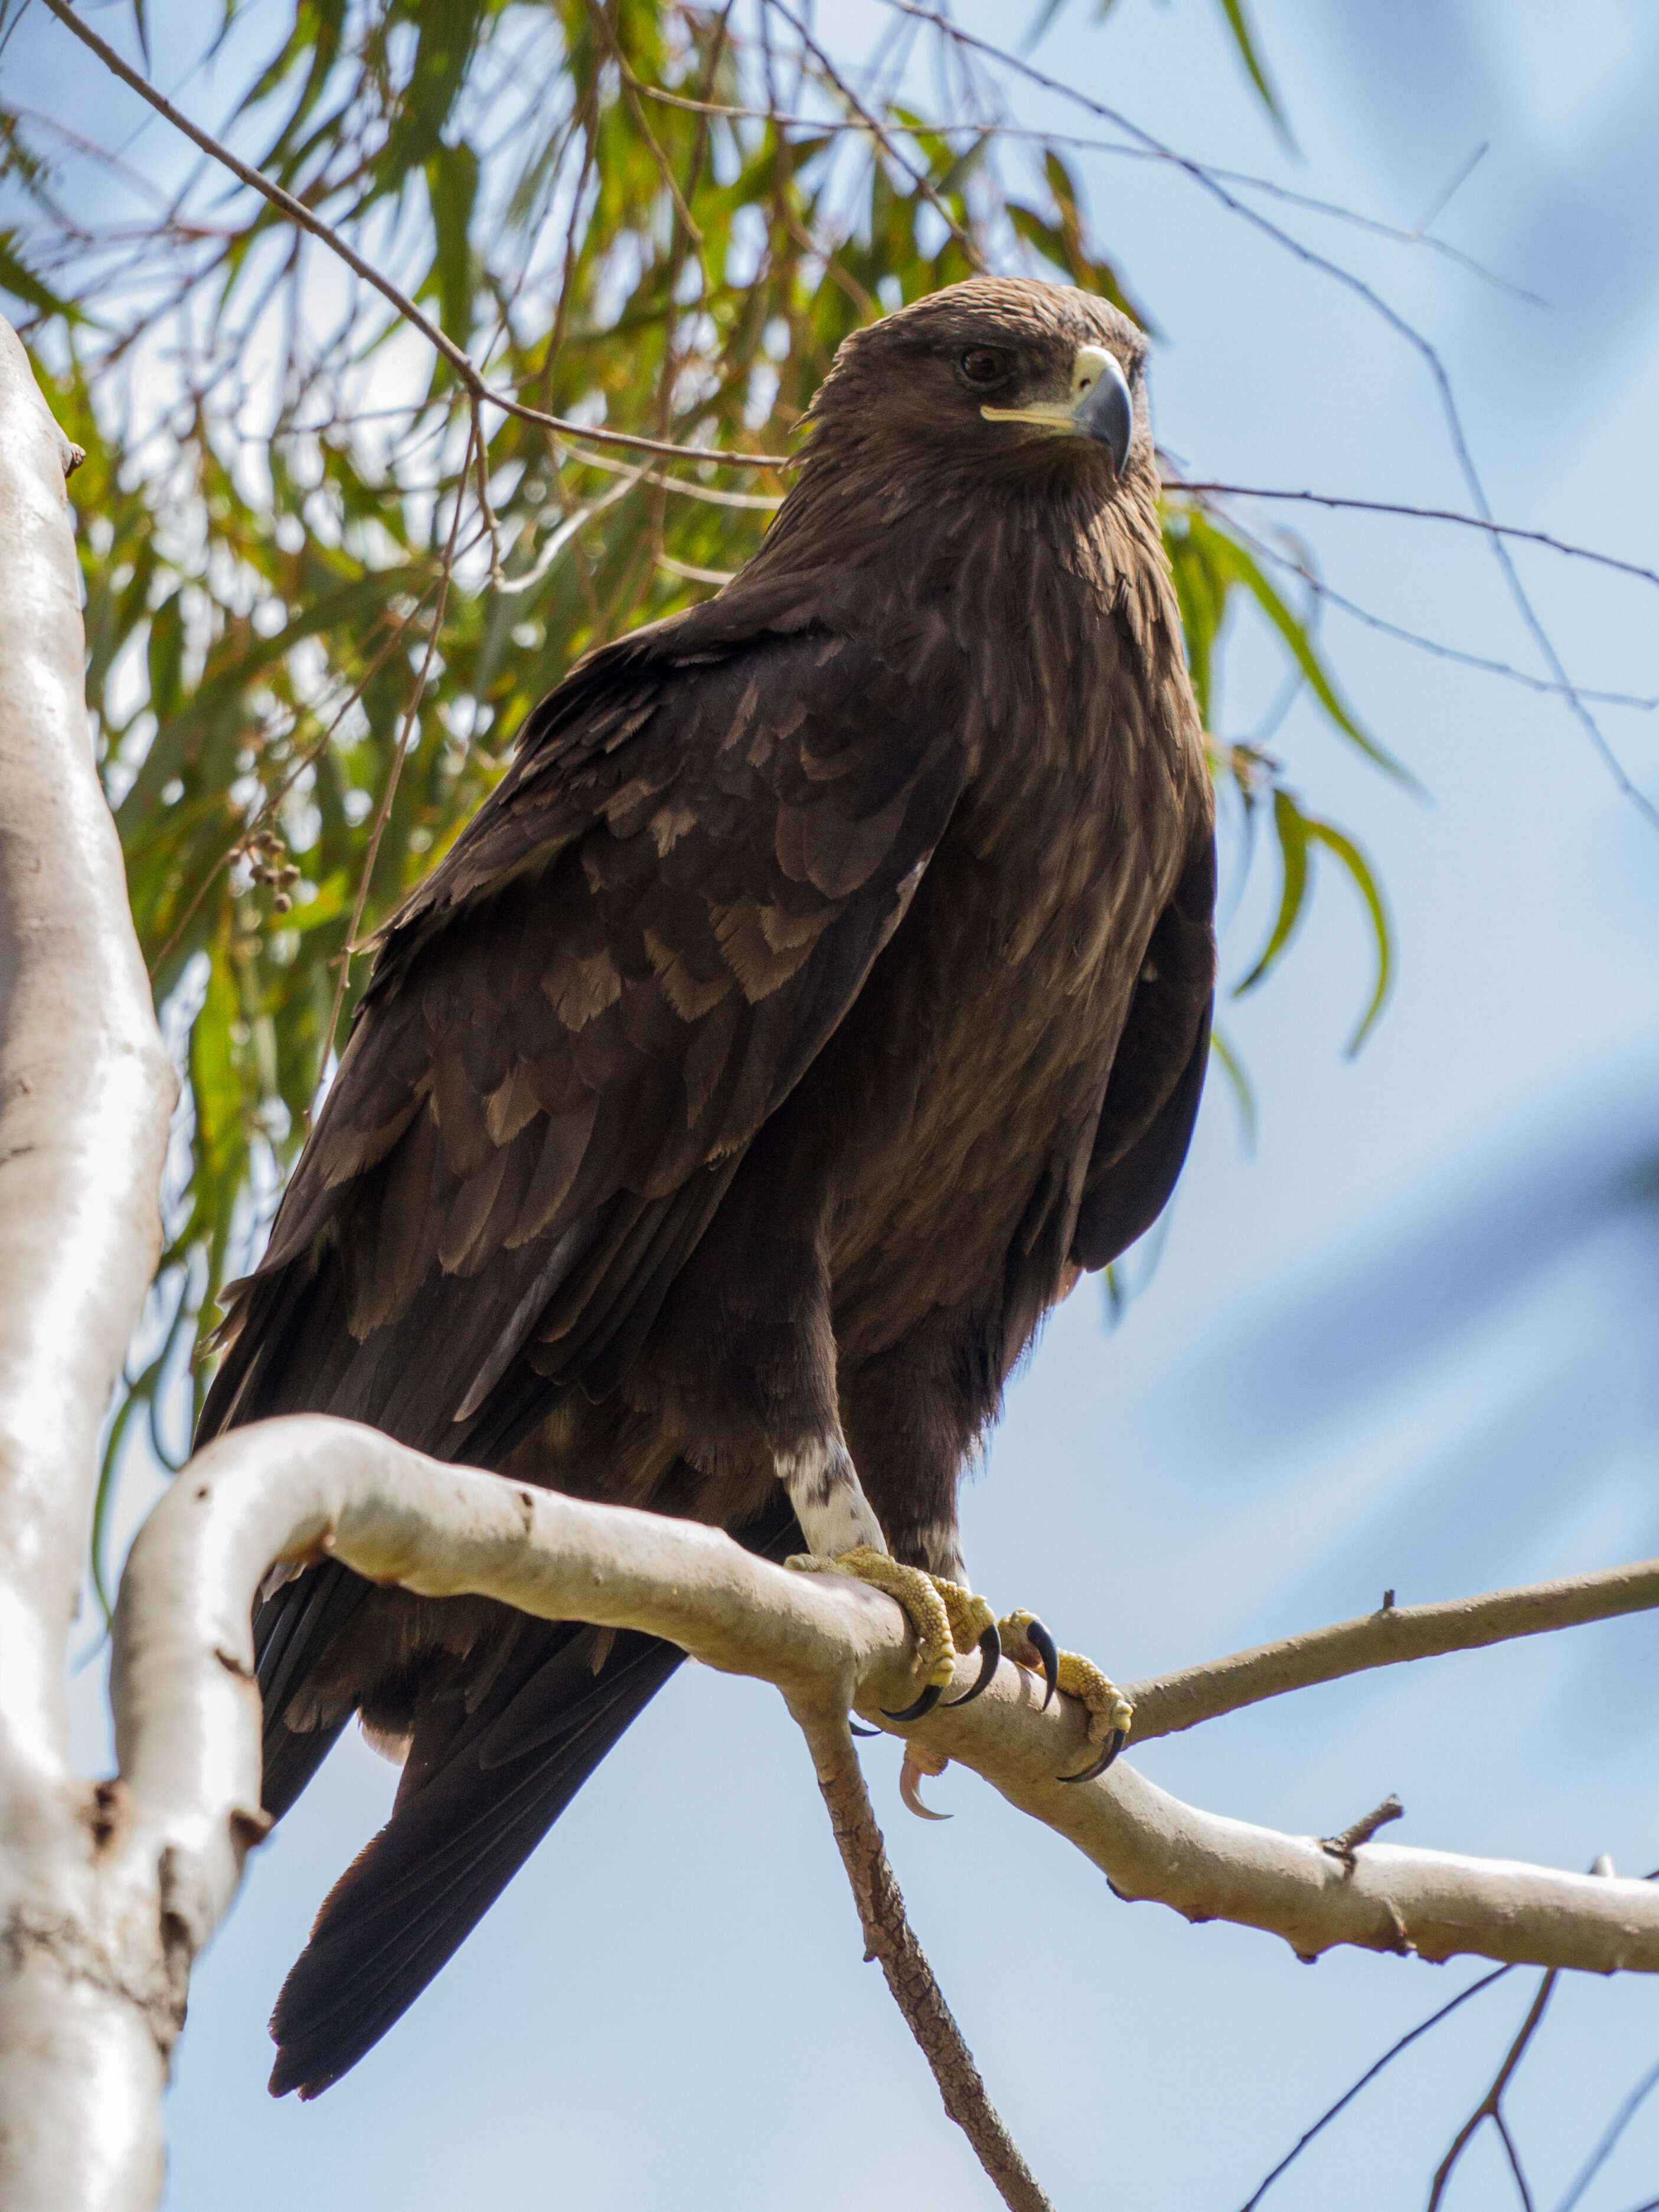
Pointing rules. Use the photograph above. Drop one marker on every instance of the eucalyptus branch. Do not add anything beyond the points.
(1166, 1704)
(86, 1093)
(889, 1939)
(306, 1485)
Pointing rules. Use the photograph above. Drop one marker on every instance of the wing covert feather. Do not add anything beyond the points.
(617, 973)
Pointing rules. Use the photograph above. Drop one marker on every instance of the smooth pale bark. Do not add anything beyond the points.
(85, 1094)
(306, 1486)
(1169, 1703)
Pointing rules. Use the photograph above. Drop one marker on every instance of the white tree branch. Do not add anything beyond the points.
(188, 1715)
(85, 1094)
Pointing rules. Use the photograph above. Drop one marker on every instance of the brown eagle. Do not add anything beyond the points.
(826, 983)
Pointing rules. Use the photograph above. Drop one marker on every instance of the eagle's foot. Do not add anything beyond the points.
(946, 1618)
(1029, 1644)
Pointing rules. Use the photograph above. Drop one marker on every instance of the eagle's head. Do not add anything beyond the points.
(1001, 372)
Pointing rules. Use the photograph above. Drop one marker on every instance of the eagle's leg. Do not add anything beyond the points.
(840, 1524)
(1029, 1644)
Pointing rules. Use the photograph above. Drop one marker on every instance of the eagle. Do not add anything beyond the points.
(824, 987)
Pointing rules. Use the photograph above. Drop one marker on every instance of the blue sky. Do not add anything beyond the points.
(1408, 1343)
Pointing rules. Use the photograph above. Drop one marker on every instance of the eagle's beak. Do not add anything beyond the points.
(1100, 405)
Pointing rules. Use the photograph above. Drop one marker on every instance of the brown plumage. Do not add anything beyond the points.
(827, 982)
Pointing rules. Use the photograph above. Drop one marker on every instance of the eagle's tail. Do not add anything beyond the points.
(455, 1841)
(480, 1791)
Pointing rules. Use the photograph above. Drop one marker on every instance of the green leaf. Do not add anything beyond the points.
(1365, 880)
(20, 281)
(1290, 828)
(1297, 832)
(1244, 39)
(1229, 559)
(451, 181)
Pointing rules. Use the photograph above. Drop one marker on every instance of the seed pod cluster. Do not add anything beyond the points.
(268, 858)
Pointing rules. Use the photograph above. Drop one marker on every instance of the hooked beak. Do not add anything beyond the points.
(1099, 406)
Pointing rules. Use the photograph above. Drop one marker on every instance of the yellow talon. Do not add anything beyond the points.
(969, 1614)
(1109, 1711)
(1108, 1708)
(922, 1597)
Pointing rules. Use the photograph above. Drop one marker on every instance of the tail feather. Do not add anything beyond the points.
(409, 1900)
(477, 1797)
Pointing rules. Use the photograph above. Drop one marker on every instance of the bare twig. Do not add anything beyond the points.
(350, 948)
(1365, 2080)
(1344, 1846)
(1329, 596)
(1609, 2142)
(888, 1938)
(689, 572)
(1483, 522)
(1490, 2107)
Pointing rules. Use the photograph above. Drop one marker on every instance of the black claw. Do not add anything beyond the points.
(1114, 1743)
(924, 1705)
(854, 1729)
(990, 1651)
(1038, 1637)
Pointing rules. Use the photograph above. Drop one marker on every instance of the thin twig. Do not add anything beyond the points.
(1022, 134)
(1438, 646)
(574, 519)
(1344, 1846)
(1609, 2143)
(631, 91)
(1424, 514)
(1513, 2158)
(1368, 2076)
(1488, 2109)
(479, 451)
(350, 947)
(889, 1939)
(882, 135)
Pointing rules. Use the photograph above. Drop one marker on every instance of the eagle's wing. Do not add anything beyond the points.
(578, 1024)
(1157, 1074)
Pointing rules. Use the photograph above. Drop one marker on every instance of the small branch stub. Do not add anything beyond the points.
(1344, 1846)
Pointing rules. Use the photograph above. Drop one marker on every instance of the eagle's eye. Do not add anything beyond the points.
(984, 365)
